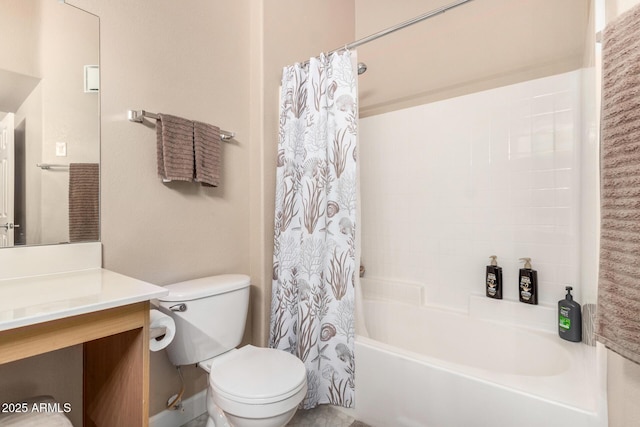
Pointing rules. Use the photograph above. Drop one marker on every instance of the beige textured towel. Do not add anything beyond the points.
(208, 147)
(175, 148)
(618, 312)
(84, 202)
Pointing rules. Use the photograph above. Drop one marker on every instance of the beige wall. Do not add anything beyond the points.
(218, 62)
(623, 378)
(477, 46)
(190, 59)
(18, 54)
(615, 8)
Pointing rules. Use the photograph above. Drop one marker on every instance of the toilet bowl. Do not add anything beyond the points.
(248, 386)
(256, 386)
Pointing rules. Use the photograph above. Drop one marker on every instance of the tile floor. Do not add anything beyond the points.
(322, 416)
(201, 421)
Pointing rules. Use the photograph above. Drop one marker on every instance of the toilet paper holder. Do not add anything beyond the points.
(157, 332)
(162, 330)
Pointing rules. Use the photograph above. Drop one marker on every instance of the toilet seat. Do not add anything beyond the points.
(257, 376)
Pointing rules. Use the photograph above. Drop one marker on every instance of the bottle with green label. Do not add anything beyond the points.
(569, 318)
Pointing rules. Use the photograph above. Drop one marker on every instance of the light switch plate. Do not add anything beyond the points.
(61, 149)
(91, 78)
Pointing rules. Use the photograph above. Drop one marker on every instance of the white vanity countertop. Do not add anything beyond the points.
(29, 300)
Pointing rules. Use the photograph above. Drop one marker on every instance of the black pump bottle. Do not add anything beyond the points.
(528, 283)
(494, 279)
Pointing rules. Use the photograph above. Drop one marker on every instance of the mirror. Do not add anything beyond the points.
(49, 123)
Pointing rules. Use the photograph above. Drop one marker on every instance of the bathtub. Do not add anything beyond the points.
(426, 366)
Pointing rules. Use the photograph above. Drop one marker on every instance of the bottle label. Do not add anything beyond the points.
(525, 287)
(563, 318)
(491, 284)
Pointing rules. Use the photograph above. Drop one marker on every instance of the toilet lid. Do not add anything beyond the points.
(257, 375)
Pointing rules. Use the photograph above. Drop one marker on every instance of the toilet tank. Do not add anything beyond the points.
(210, 315)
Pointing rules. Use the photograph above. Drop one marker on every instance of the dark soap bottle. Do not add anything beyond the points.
(569, 318)
(528, 283)
(494, 279)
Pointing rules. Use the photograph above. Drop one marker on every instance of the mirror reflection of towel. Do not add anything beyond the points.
(84, 202)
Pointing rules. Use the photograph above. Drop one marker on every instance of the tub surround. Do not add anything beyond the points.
(507, 166)
(513, 161)
(105, 311)
(542, 317)
(495, 372)
(499, 353)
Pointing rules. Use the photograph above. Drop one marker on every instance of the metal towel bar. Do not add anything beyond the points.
(47, 166)
(139, 115)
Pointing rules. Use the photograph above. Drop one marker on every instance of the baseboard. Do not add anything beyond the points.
(192, 407)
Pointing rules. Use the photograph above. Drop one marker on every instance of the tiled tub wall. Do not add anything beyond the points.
(447, 184)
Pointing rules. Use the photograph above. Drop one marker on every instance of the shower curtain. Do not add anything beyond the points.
(314, 262)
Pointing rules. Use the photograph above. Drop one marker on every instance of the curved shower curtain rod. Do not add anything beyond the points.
(397, 27)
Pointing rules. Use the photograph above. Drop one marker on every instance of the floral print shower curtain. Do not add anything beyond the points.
(314, 266)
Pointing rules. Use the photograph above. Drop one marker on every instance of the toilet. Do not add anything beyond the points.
(248, 386)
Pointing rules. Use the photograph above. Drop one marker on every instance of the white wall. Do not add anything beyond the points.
(447, 184)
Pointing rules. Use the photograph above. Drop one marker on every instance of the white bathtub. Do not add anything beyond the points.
(424, 366)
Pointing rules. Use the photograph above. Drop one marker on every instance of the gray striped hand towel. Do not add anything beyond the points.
(208, 153)
(175, 148)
